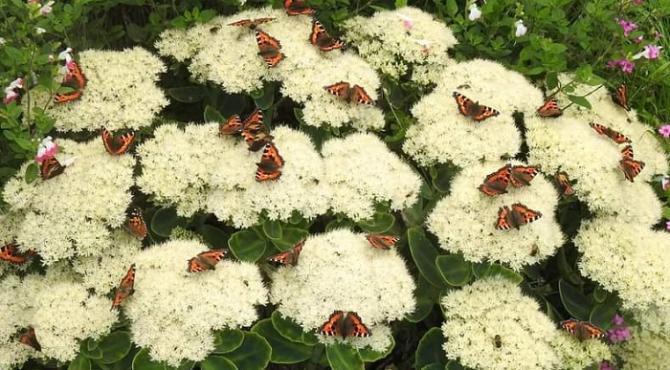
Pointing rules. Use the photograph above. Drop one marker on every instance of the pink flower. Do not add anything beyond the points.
(638, 39)
(606, 365)
(667, 225)
(627, 26)
(665, 183)
(13, 91)
(638, 2)
(47, 149)
(625, 65)
(664, 130)
(652, 51)
(407, 22)
(619, 332)
(47, 8)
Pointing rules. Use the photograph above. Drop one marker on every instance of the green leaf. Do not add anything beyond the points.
(433, 366)
(163, 221)
(136, 33)
(214, 362)
(290, 237)
(573, 300)
(247, 245)
(481, 269)
(379, 223)
(272, 229)
(342, 356)
(579, 100)
(551, 80)
(187, 94)
(91, 351)
(424, 255)
(288, 328)
(213, 115)
(264, 97)
(426, 297)
(80, 363)
(600, 294)
(505, 272)
(214, 236)
(453, 365)
(602, 314)
(284, 351)
(143, 361)
(455, 270)
(429, 350)
(368, 355)
(227, 340)
(452, 8)
(253, 354)
(114, 347)
(32, 171)
(400, 3)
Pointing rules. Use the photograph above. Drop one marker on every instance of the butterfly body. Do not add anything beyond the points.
(582, 330)
(345, 325)
(136, 223)
(125, 288)
(117, 145)
(346, 92)
(620, 96)
(206, 260)
(251, 23)
(269, 168)
(9, 253)
(289, 257)
(380, 241)
(297, 7)
(28, 338)
(269, 49)
(51, 168)
(616, 136)
(550, 108)
(321, 39)
(516, 216)
(473, 109)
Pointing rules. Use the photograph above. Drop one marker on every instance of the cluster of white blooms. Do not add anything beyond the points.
(480, 313)
(443, 134)
(120, 92)
(69, 214)
(402, 41)
(465, 220)
(228, 55)
(655, 319)
(17, 309)
(173, 312)
(361, 170)
(578, 355)
(646, 350)
(628, 258)
(339, 270)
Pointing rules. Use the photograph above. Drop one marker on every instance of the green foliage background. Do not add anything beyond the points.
(564, 35)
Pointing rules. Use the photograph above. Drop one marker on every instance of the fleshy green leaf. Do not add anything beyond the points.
(379, 223)
(290, 330)
(454, 269)
(602, 314)
(368, 355)
(32, 171)
(227, 340)
(215, 362)
(505, 272)
(214, 236)
(342, 356)
(253, 354)
(114, 347)
(580, 100)
(272, 229)
(426, 297)
(213, 115)
(284, 351)
(187, 94)
(163, 221)
(573, 300)
(290, 237)
(246, 245)
(424, 255)
(143, 361)
(80, 362)
(429, 350)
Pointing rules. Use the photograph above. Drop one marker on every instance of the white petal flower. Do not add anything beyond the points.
(17, 309)
(339, 270)
(66, 55)
(576, 355)
(40, 30)
(475, 13)
(521, 29)
(646, 350)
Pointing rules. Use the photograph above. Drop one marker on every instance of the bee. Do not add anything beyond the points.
(497, 341)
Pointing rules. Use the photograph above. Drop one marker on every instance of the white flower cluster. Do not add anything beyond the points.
(628, 258)
(173, 312)
(646, 350)
(361, 170)
(443, 134)
(402, 42)
(228, 56)
(339, 270)
(465, 220)
(14, 316)
(69, 214)
(480, 313)
(576, 355)
(121, 92)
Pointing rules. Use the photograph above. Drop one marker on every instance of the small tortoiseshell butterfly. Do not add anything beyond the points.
(289, 257)
(582, 330)
(269, 48)
(297, 7)
(564, 183)
(28, 338)
(473, 109)
(522, 175)
(616, 136)
(126, 287)
(255, 134)
(380, 241)
(496, 183)
(51, 168)
(74, 73)
(117, 145)
(232, 126)
(350, 325)
(206, 260)
(321, 39)
(269, 168)
(550, 108)
(516, 217)
(620, 96)
(355, 94)
(251, 23)
(630, 167)
(136, 223)
(9, 253)
(68, 97)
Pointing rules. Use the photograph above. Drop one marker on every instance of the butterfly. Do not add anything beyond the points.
(380, 241)
(254, 132)
(496, 183)
(297, 7)
(67, 97)
(582, 330)
(522, 175)
(270, 164)
(251, 23)
(28, 338)
(126, 287)
(628, 165)
(51, 168)
(473, 109)
(206, 260)
(117, 145)
(355, 94)
(627, 152)
(564, 183)
(74, 72)
(550, 108)
(321, 39)
(620, 96)
(9, 253)
(350, 325)
(136, 223)
(269, 48)
(516, 217)
(289, 257)
(616, 136)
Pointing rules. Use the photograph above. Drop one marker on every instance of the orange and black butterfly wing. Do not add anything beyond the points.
(241, 23)
(254, 123)
(136, 223)
(8, 253)
(523, 175)
(503, 222)
(262, 175)
(463, 103)
(333, 327)
(341, 89)
(496, 182)
(271, 160)
(616, 136)
(620, 96)
(360, 96)
(297, 7)
(212, 257)
(29, 338)
(117, 145)
(195, 265)
(269, 48)
(355, 327)
(51, 168)
(125, 288)
(627, 152)
(78, 75)
(631, 168)
(232, 126)
(289, 257)
(321, 39)
(582, 330)
(380, 241)
(564, 183)
(522, 215)
(483, 113)
(550, 108)
(68, 97)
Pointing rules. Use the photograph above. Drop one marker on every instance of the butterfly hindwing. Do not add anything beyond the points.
(346, 92)
(496, 183)
(631, 168)
(67, 97)
(269, 168)
(125, 288)
(50, 168)
(381, 241)
(321, 39)
(627, 152)
(29, 338)
(206, 260)
(523, 175)
(251, 23)
(358, 95)
(620, 96)
(269, 48)
(516, 216)
(136, 223)
(333, 326)
(117, 145)
(550, 108)
(232, 126)
(354, 326)
(289, 257)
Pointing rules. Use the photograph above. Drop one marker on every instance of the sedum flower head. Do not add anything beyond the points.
(477, 313)
(339, 270)
(628, 258)
(576, 355)
(379, 176)
(646, 350)
(465, 220)
(17, 310)
(173, 313)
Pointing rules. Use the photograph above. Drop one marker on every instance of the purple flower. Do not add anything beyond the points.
(618, 320)
(667, 225)
(652, 51)
(638, 2)
(625, 65)
(619, 332)
(627, 26)
(664, 130)
(606, 365)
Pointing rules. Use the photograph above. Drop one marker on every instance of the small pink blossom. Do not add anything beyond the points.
(619, 332)
(665, 183)
(47, 149)
(407, 22)
(625, 65)
(606, 365)
(664, 130)
(47, 8)
(12, 91)
(667, 225)
(638, 39)
(627, 26)
(652, 52)
(638, 2)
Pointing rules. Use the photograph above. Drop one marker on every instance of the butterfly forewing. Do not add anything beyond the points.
(51, 168)
(297, 7)
(627, 152)
(66, 98)
(631, 168)
(380, 241)
(251, 23)
(269, 168)
(620, 96)
(232, 126)
(125, 288)
(269, 48)
(616, 136)
(516, 216)
(523, 175)
(29, 338)
(358, 95)
(346, 92)
(496, 183)
(289, 257)
(550, 108)
(333, 327)
(321, 39)
(582, 330)
(206, 260)
(354, 326)
(117, 145)
(136, 223)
